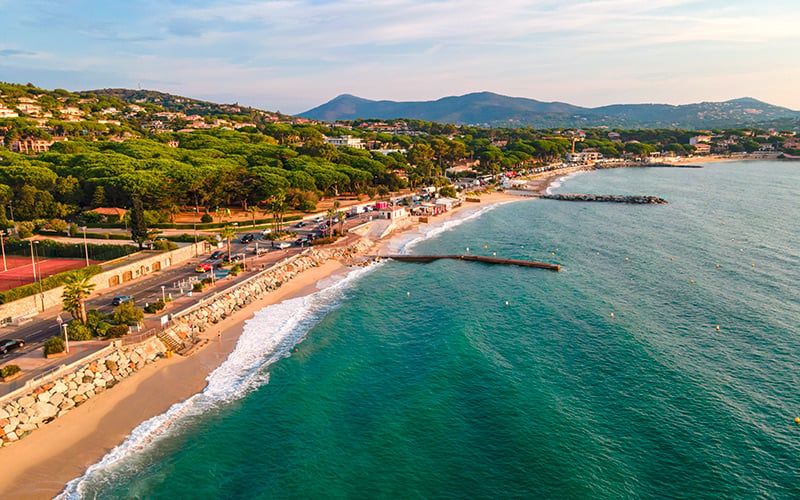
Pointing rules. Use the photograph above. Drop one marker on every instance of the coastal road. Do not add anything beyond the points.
(144, 290)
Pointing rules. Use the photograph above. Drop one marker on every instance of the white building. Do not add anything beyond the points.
(346, 140)
(584, 157)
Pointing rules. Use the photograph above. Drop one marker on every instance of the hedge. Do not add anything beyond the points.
(53, 345)
(199, 226)
(9, 370)
(55, 249)
(48, 283)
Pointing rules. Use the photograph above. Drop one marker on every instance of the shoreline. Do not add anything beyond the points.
(41, 465)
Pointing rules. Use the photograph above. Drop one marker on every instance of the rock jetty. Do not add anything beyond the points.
(608, 198)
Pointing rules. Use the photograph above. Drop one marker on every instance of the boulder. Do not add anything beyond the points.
(45, 410)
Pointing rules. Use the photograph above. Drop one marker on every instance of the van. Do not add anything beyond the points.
(282, 245)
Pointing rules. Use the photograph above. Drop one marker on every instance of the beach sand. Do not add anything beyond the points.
(41, 464)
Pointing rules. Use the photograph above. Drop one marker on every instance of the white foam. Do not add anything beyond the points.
(558, 182)
(407, 242)
(268, 336)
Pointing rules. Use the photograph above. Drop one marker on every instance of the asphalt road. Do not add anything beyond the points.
(174, 280)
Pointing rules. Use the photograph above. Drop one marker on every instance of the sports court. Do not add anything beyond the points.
(20, 269)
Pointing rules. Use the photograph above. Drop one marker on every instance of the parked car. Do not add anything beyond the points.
(217, 255)
(203, 267)
(247, 238)
(121, 299)
(11, 344)
(233, 258)
(301, 224)
(282, 244)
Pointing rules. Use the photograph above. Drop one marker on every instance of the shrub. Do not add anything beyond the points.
(25, 229)
(9, 370)
(93, 318)
(206, 218)
(164, 245)
(53, 345)
(102, 328)
(73, 230)
(324, 241)
(127, 313)
(198, 287)
(116, 332)
(207, 281)
(78, 331)
(154, 307)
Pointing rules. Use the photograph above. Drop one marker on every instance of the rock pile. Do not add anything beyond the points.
(610, 198)
(25, 414)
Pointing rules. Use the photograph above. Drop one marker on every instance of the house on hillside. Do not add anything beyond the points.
(108, 214)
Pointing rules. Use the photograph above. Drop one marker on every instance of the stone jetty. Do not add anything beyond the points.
(608, 198)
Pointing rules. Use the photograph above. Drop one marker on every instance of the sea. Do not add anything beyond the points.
(662, 361)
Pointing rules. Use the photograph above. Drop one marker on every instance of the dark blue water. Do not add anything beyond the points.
(454, 379)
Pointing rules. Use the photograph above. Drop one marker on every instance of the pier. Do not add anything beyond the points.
(608, 198)
(473, 258)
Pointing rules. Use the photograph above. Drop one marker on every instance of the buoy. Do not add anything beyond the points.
(467, 249)
(717, 266)
(626, 258)
(612, 315)
(723, 223)
(506, 302)
(692, 281)
(408, 294)
(552, 253)
(753, 265)
(485, 246)
(672, 258)
(741, 249)
(797, 420)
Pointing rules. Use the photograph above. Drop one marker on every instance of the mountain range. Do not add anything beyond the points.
(495, 110)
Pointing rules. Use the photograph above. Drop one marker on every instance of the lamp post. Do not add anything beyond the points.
(163, 297)
(33, 261)
(39, 270)
(3, 248)
(63, 325)
(85, 245)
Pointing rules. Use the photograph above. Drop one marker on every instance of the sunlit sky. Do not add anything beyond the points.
(292, 55)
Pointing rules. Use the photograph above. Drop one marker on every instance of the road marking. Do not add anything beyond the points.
(37, 331)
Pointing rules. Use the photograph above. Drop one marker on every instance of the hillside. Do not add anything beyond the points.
(489, 109)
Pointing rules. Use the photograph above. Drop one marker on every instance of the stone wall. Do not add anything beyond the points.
(25, 414)
(31, 306)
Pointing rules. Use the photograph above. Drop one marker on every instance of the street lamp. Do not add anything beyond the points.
(63, 325)
(85, 245)
(163, 297)
(33, 261)
(39, 270)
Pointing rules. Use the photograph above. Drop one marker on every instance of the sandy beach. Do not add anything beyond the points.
(41, 464)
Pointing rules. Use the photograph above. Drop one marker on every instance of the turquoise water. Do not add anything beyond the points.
(456, 379)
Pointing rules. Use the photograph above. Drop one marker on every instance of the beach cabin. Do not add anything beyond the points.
(393, 213)
(447, 203)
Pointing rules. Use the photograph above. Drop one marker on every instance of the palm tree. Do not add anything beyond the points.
(340, 215)
(227, 233)
(252, 210)
(331, 213)
(76, 290)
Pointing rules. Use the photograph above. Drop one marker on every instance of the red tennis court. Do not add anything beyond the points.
(20, 269)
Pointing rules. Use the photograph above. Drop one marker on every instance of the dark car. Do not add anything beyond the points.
(121, 299)
(217, 255)
(233, 258)
(301, 224)
(11, 344)
(247, 238)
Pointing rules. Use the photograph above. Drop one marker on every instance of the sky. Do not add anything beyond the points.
(293, 55)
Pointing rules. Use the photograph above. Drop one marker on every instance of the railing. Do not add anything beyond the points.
(140, 337)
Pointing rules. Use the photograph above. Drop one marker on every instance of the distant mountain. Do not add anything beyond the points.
(489, 109)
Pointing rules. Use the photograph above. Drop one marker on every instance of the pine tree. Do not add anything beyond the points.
(138, 224)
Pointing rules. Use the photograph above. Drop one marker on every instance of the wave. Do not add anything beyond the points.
(559, 181)
(269, 336)
(433, 230)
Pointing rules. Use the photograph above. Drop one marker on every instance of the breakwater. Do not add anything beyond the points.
(474, 258)
(608, 198)
(638, 164)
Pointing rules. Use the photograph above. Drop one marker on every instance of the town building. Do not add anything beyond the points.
(346, 140)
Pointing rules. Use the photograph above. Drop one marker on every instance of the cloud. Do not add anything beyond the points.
(15, 52)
